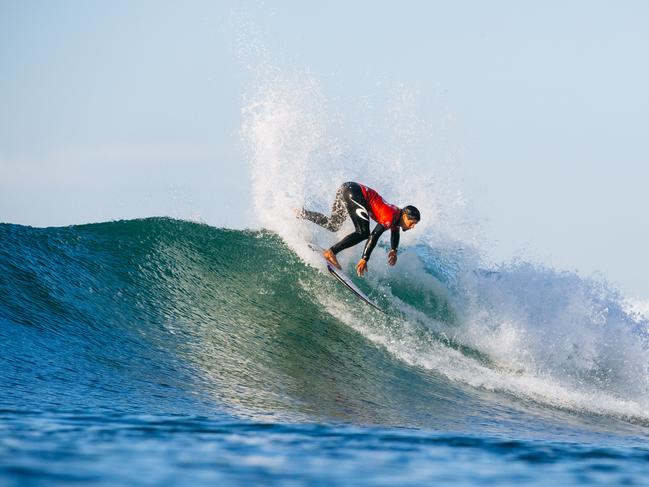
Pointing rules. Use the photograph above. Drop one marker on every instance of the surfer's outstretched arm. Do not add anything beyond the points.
(361, 267)
(395, 235)
(372, 241)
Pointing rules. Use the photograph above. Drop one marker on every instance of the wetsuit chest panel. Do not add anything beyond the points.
(380, 211)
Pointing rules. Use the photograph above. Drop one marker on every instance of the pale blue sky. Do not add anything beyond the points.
(127, 109)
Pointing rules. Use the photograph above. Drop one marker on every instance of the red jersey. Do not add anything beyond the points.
(380, 211)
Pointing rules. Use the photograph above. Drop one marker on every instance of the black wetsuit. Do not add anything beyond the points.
(350, 199)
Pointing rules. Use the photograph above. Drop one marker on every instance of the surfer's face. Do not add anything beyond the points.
(407, 223)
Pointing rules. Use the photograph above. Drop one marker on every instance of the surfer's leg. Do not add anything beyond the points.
(314, 217)
(338, 209)
(333, 222)
(357, 208)
(349, 241)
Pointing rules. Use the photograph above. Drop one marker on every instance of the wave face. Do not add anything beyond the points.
(165, 315)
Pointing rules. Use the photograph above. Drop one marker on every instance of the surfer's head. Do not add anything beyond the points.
(409, 217)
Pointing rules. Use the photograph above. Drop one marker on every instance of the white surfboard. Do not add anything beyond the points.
(341, 277)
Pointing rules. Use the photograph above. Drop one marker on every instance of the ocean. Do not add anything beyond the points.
(166, 352)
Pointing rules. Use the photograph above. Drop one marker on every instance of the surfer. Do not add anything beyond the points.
(361, 203)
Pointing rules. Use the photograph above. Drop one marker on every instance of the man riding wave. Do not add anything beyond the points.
(363, 203)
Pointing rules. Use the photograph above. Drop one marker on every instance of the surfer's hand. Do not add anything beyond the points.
(392, 257)
(361, 267)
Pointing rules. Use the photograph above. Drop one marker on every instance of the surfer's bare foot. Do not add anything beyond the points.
(331, 258)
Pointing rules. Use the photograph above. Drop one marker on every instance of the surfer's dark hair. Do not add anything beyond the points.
(412, 212)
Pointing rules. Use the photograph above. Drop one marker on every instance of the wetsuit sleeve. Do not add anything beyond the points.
(394, 238)
(372, 240)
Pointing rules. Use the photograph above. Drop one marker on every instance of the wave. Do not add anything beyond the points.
(171, 315)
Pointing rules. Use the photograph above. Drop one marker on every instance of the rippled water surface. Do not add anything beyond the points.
(167, 450)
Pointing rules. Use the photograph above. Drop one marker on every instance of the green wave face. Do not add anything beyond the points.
(258, 330)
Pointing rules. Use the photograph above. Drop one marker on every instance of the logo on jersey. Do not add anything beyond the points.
(361, 211)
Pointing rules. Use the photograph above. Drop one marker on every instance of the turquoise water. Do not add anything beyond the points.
(160, 352)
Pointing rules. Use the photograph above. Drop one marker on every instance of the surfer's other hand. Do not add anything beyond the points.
(361, 267)
(392, 257)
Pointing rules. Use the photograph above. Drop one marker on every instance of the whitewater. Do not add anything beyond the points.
(160, 351)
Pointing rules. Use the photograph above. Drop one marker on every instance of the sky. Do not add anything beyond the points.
(112, 110)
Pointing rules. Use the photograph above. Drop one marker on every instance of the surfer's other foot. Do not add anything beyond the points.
(331, 258)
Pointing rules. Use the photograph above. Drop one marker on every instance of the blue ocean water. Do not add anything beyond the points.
(164, 352)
